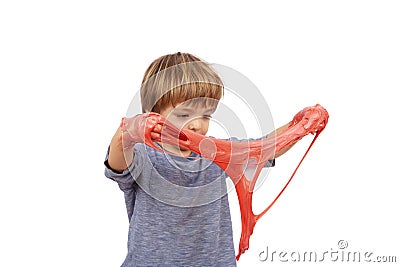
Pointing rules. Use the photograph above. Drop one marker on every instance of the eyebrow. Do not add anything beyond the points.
(190, 110)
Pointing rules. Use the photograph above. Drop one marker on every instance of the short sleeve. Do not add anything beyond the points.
(269, 163)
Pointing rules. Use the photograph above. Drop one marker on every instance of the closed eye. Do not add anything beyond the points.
(207, 116)
(182, 115)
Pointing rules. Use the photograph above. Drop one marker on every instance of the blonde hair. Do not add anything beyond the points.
(175, 78)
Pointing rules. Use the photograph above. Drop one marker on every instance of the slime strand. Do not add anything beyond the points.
(235, 157)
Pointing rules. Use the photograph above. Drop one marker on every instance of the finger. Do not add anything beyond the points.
(158, 128)
(155, 136)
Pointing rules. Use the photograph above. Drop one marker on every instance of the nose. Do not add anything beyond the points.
(195, 124)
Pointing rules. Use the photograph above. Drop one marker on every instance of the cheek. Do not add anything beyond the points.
(206, 125)
(177, 122)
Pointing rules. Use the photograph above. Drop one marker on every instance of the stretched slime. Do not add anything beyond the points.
(235, 157)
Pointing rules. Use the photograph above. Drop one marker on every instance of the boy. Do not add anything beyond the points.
(177, 202)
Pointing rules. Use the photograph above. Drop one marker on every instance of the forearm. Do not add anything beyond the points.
(282, 128)
(278, 131)
(119, 158)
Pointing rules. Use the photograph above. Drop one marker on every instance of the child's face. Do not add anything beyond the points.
(189, 116)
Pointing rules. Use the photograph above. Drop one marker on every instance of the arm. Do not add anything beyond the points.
(278, 131)
(131, 131)
(119, 158)
(312, 119)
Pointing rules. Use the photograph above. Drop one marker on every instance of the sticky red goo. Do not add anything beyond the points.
(235, 157)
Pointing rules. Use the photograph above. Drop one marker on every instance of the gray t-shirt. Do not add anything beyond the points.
(178, 210)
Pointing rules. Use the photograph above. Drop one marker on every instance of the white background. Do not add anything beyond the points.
(68, 71)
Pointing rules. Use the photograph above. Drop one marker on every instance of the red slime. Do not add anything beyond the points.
(234, 157)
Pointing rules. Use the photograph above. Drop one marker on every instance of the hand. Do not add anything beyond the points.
(139, 128)
(312, 119)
